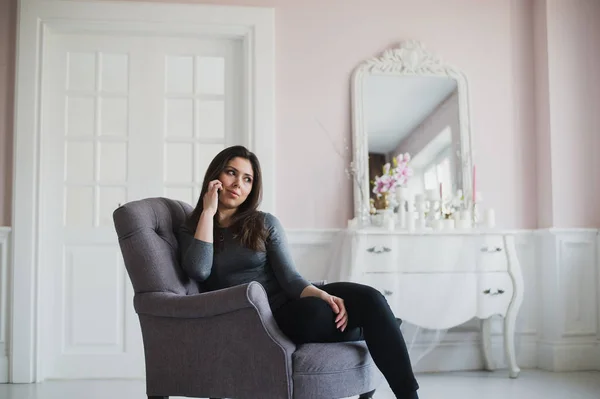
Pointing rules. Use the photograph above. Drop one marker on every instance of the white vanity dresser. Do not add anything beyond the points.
(435, 274)
(441, 280)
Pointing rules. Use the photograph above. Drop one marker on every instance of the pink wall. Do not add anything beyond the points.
(594, 82)
(318, 43)
(571, 111)
(567, 63)
(523, 141)
(542, 109)
(7, 39)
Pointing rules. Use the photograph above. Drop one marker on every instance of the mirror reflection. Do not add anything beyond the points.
(418, 116)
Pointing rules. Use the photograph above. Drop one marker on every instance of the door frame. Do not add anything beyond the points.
(37, 18)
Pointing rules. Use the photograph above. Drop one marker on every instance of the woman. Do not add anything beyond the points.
(226, 241)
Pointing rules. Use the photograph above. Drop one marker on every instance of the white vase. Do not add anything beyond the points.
(463, 224)
(466, 215)
(448, 224)
(411, 220)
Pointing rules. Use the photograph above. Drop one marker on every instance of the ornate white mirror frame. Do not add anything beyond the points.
(409, 58)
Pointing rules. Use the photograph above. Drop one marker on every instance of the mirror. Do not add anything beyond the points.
(408, 102)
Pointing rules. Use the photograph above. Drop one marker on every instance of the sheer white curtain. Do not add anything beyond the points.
(420, 341)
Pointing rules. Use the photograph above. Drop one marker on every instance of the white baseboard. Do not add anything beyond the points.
(569, 356)
(3, 365)
(4, 301)
(456, 354)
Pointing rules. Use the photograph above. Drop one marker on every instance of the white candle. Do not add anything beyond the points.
(402, 215)
(391, 223)
(465, 215)
(411, 216)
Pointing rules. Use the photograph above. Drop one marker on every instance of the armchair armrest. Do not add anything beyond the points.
(217, 334)
(214, 303)
(207, 304)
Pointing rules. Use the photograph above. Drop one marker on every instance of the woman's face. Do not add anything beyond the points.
(237, 179)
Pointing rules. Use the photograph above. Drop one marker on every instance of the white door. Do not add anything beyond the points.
(123, 118)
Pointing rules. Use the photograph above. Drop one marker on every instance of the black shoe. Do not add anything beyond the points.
(367, 395)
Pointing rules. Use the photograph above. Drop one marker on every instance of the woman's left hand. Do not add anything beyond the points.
(339, 308)
(337, 304)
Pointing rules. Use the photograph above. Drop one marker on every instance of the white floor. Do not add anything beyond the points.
(532, 384)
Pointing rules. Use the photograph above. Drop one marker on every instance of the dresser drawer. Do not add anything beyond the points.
(441, 300)
(491, 254)
(494, 293)
(416, 254)
(376, 253)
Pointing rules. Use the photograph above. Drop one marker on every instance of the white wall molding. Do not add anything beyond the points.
(547, 257)
(558, 326)
(311, 236)
(568, 299)
(598, 289)
(4, 296)
(569, 356)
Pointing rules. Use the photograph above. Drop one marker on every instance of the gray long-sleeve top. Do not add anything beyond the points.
(234, 264)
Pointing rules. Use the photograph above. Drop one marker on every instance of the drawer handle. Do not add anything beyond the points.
(388, 293)
(378, 250)
(491, 250)
(489, 292)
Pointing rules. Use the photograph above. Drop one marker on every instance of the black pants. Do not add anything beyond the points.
(369, 317)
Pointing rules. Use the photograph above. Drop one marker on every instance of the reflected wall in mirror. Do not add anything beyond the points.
(409, 102)
(417, 115)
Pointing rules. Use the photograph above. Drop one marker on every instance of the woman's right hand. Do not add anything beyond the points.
(211, 198)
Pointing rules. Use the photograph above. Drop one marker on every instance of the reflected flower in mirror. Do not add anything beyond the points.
(394, 175)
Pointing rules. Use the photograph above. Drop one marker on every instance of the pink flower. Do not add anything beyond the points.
(403, 158)
(386, 169)
(393, 177)
(383, 184)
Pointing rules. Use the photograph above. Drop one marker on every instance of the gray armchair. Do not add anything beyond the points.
(222, 343)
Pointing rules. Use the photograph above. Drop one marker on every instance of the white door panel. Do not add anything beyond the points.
(123, 118)
(89, 125)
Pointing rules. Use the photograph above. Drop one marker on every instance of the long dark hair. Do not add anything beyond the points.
(247, 223)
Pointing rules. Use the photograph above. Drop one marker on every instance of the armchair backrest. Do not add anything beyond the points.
(147, 231)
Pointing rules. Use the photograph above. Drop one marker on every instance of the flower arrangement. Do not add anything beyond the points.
(453, 204)
(394, 175)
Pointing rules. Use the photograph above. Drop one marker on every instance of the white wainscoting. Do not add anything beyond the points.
(4, 297)
(568, 275)
(557, 326)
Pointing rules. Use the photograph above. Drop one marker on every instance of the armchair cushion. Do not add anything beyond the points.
(333, 370)
(333, 357)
